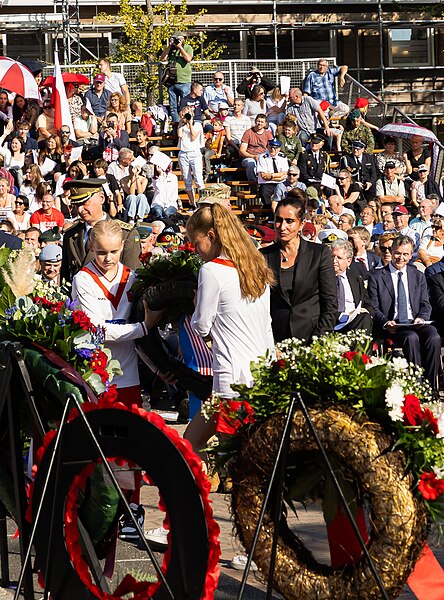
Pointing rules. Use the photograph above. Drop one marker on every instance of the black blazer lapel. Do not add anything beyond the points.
(274, 262)
(355, 288)
(303, 269)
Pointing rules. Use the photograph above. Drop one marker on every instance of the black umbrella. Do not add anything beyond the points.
(33, 65)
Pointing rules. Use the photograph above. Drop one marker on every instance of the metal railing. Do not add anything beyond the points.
(235, 71)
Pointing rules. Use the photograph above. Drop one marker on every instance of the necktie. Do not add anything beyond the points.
(361, 260)
(341, 293)
(275, 169)
(402, 301)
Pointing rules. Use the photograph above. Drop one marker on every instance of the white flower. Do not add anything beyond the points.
(399, 363)
(376, 361)
(439, 471)
(394, 398)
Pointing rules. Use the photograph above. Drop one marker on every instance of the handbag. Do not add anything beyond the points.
(169, 75)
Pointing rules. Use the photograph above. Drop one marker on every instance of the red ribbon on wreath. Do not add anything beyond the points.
(141, 590)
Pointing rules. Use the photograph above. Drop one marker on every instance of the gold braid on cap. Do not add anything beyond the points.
(77, 195)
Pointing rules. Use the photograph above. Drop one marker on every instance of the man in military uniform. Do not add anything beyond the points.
(362, 167)
(314, 163)
(88, 196)
(358, 132)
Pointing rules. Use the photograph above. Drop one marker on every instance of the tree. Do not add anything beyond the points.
(147, 31)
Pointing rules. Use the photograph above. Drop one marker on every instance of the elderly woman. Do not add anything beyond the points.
(391, 155)
(384, 249)
(346, 222)
(417, 155)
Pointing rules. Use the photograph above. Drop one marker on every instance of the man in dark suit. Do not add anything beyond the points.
(351, 292)
(364, 260)
(313, 163)
(362, 167)
(7, 240)
(399, 296)
(88, 196)
(436, 291)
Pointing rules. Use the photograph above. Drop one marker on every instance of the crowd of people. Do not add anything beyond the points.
(356, 245)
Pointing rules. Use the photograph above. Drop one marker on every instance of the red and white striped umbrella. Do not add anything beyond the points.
(406, 130)
(17, 78)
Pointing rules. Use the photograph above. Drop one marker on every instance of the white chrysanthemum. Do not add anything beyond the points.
(394, 398)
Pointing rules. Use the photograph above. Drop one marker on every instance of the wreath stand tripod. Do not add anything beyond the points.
(275, 500)
(80, 442)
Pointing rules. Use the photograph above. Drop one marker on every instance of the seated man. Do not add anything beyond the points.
(307, 112)
(424, 186)
(390, 188)
(363, 261)
(218, 92)
(315, 162)
(358, 132)
(272, 170)
(254, 142)
(354, 306)
(291, 182)
(362, 168)
(401, 218)
(320, 85)
(399, 295)
(112, 138)
(335, 211)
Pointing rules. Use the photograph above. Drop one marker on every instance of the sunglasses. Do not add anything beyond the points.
(65, 131)
(342, 178)
(436, 227)
(293, 175)
(218, 79)
(18, 203)
(385, 248)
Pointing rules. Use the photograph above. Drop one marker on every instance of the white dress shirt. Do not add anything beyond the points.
(394, 273)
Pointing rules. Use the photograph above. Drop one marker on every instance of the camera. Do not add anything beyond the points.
(175, 40)
(188, 116)
(110, 125)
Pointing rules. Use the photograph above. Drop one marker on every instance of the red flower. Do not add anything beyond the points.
(430, 418)
(187, 246)
(366, 358)
(233, 415)
(110, 395)
(98, 360)
(279, 365)
(413, 414)
(82, 320)
(145, 257)
(430, 486)
(349, 355)
(57, 307)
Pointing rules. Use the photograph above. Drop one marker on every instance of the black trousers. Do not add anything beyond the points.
(422, 346)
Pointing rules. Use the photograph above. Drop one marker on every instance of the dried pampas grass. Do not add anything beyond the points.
(19, 273)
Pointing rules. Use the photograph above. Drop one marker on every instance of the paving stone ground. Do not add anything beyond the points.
(309, 525)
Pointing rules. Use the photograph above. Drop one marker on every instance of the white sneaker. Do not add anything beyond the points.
(239, 562)
(157, 536)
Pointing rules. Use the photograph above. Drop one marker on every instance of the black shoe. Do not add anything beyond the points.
(127, 529)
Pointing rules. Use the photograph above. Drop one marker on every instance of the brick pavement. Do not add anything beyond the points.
(308, 524)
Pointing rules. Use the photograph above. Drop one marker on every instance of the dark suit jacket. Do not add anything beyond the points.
(436, 291)
(313, 307)
(10, 241)
(363, 172)
(382, 295)
(118, 143)
(358, 268)
(359, 292)
(75, 257)
(310, 168)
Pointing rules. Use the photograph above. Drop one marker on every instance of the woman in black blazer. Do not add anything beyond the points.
(304, 300)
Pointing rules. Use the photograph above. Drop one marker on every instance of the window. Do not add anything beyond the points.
(410, 47)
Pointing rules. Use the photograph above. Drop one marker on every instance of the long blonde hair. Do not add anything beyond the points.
(236, 244)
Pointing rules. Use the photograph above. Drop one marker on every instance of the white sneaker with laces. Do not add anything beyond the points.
(239, 562)
(157, 536)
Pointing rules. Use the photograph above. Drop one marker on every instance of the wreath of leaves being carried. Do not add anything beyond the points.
(383, 436)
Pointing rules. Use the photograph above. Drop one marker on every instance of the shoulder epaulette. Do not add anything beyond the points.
(123, 225)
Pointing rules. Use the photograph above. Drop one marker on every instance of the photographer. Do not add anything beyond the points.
(112, 138)
(254, 78)
(191, 142)
(180, 55)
